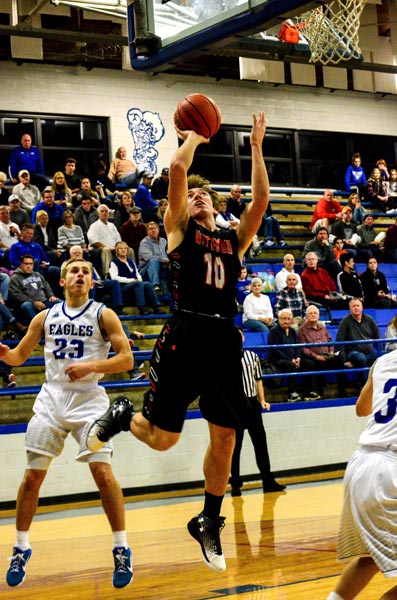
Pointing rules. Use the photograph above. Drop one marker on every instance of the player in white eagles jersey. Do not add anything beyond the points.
(78, 334)
(368, 528)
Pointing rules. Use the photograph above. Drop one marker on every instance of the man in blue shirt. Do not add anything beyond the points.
(26, 156)
(53, 210)
(41, 262)
(143, 198)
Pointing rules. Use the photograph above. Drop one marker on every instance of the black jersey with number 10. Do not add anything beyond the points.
(203, 271)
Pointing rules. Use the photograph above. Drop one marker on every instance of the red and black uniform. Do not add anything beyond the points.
(198, 353)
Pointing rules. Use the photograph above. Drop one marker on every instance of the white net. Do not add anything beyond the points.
(332, 31)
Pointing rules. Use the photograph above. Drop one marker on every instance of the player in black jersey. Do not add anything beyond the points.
(198, 353)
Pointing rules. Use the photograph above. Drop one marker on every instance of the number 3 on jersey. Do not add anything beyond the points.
(391, 384)
(77, 350)
(215, 270)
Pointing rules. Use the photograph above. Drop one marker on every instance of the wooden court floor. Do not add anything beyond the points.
(277, 546)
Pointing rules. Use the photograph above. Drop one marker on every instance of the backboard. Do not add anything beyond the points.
(162, 33)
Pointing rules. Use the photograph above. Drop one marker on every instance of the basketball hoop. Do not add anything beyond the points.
(332, 31)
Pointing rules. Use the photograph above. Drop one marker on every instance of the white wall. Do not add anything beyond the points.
(74, 90)
(297, 439)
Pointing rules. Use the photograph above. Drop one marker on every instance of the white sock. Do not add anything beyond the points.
(120, 539)
(334, 596)
(22, 540)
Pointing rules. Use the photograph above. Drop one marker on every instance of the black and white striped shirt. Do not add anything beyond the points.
(252, 372)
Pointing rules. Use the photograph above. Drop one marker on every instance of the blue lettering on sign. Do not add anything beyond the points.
(391, 384)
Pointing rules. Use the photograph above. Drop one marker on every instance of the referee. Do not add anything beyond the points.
(255, 393)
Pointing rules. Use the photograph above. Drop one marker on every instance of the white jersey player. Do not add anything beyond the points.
(78, 334)
(368, 528)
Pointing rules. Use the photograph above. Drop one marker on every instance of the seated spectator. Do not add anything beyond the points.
(225, 219)
(327, 211)
(322, 248)
(382, 166)
(160, 185)
(346, 230)
(292, 298)
(370, 239)
(133, 289)
(348, 281)
(377, 193)
(86, 192)
(163, 205)
(26, 157)
(18, 215)
(153, 259)
(85, 215)
(133, 231)
(353, 327)
(44, 235)
(70, 234)
(318, 285)
(376, 290)
(99, 177)
(272, 229)
(391, 244)
(72, 179)
(30, 293)
(25, 245)
(391, 332)
(103, 236)
(325, 358)
(257, 309)
(102, 287)
(9, 233)
(234, 202)
(243, 286)
(28, 194)
(143, 198)
(4, 193)
(280, 279)
(391, 190)
(288, 359)
(121, 213)
(62, 194)
(54, 211)
(123, 170)
(355, 178)
(358, 212)
(339, 248)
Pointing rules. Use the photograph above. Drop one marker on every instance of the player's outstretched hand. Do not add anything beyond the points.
(258, 128)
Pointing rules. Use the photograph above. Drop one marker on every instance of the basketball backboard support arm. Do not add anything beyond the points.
(254, 17)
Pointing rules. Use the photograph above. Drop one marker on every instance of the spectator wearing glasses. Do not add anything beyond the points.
(28, 194)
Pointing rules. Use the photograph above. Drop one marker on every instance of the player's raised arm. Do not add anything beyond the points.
(123, 359)
(18, 355)
(176, 217)
(252, 216)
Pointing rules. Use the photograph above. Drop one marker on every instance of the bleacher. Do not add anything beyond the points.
(294, 209)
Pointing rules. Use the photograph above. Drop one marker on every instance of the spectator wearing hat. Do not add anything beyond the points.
(26, 157)
(160, 185)
(347, 230)
(28, 194)
(143, 198)
(370, 239)
(123, 170)
(133, 231)
(18, 215)
(4, 193)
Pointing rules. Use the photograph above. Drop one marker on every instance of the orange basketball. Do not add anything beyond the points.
(198, 113)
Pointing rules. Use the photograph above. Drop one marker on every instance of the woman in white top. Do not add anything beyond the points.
(125, 271)
(258, 314)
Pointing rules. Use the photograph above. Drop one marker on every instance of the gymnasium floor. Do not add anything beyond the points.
(277, 546)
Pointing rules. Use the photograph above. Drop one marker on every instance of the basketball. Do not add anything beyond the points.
(198, 113)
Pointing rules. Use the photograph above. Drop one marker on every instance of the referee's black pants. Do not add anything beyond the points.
(256, 430)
